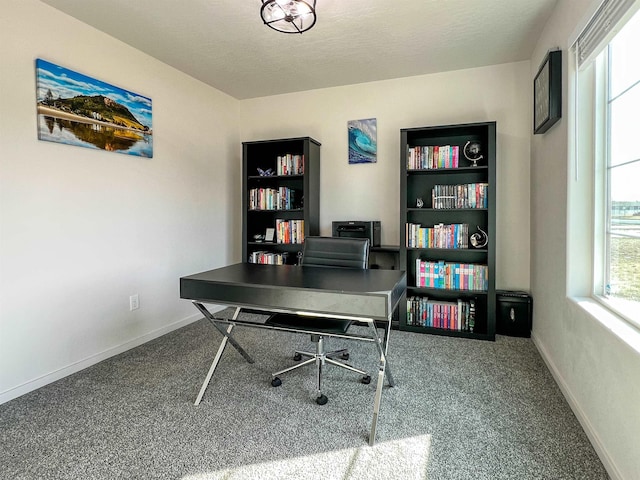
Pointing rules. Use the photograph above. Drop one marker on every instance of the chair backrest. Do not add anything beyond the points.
(336, 252)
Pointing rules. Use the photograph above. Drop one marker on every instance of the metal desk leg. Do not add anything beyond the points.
(226, 333)
(383, 370)
(376, 405)
(221, 348)
(382, 349)
(213, 366)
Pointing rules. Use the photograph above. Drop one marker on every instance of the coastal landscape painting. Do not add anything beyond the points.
(363, 147)
(75, 109)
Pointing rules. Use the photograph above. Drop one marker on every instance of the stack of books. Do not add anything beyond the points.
(451, 276)
(458, 316)
(289, 231)
(470, 195)
(455, 235)
(432, 157)
(290, 164)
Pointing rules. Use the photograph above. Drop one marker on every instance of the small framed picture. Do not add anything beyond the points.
(547, 93)
(269, 234)
(363, 140)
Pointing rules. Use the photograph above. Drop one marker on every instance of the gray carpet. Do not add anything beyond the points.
(461, 409)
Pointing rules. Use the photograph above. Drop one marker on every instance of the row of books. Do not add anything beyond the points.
(458, 316)
(451, 276)
(289, 231)
(455, 235)
(290, 164)
(281, 198)
(469, 195)
(266, 258)
(432, 157)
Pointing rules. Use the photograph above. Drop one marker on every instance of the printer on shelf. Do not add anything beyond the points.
(358, 229)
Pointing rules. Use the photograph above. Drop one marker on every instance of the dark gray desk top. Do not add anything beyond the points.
(330, 291)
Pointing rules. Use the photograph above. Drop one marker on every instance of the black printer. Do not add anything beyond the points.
(358, 229)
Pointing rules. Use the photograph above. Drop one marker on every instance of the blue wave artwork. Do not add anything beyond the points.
(363, 147)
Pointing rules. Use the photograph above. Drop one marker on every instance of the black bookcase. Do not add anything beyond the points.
(456, 295)
(283, 195)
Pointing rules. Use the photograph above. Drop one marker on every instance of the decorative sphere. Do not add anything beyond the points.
(472, 151)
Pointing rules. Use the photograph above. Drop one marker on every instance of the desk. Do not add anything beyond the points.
(362, 295)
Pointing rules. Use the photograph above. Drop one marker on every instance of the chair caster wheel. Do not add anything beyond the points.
(276, 382)
(297, 357)
(345, 356)
(322, 399)
(366, 380)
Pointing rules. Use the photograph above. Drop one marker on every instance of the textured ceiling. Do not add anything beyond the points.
(225, 44)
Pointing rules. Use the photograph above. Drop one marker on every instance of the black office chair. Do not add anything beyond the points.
(324, 252)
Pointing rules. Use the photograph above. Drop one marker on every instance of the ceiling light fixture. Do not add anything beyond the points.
(289, 16)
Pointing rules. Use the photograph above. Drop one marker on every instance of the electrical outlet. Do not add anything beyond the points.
(134, 302)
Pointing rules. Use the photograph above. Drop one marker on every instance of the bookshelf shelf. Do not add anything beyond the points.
(271, 210)
(288, 203)
(446, 251)
(448, 210)
(461, 312)
(266, 178)
(448, 333)
(445, 292)
(439, 171)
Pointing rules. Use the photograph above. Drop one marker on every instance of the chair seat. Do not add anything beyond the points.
(311, 324)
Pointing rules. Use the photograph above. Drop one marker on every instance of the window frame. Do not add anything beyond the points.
(591, 179)
(625, 308)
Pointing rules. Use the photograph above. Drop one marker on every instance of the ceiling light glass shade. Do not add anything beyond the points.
(289, 16)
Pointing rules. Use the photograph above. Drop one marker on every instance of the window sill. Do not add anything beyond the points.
(610, 320)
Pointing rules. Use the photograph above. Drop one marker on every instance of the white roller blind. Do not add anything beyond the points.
(601, 28)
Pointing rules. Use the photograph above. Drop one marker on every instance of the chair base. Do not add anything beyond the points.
(320, 358)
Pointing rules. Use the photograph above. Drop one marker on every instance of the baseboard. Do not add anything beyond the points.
(39, 382)
(600, 449)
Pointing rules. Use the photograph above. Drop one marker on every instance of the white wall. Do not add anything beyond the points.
(598, 370)
(82, 230)
(372, 191)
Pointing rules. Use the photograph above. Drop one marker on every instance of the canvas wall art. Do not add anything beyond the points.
(75, 109)
(363, 146)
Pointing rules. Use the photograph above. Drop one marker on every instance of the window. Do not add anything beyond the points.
(621, 262)
(608, 152)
